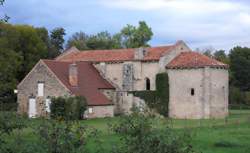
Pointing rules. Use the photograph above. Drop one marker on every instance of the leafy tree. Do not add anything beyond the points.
(57, 38)
(220, 55)
(21, 46)
(129, 37)
(31, 48)
(132, 37)
(240, 67)
(102, 40)
(79, 40)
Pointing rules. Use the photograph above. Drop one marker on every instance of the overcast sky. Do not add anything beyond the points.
(200, 23)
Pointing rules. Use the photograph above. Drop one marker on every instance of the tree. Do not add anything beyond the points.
(79, 40)
(9, 63)
(31, 48)
(220, 55)
(102, 40)
(57, 38)
(132, 37)
(240, 67)
(129, 37)
(21, 46)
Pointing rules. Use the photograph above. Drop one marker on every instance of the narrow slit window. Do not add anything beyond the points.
(192, 92)
(147, 84)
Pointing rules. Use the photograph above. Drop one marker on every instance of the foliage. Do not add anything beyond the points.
(129, 37)
(63, 137)
(9, 122)
(79, 40)
(239, 66)
(71, 108)
(57, 39)
(159, 99)
(138, 135)
(220, 55)
(162, 88)
(133, 37)
(236, 96)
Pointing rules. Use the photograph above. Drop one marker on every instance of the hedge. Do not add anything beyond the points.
(71, 108)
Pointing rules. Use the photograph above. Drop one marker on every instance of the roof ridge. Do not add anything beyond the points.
(122, 49)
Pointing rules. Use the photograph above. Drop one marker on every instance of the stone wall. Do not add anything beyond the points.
(210, 99)
(100, 111)
(28, 88)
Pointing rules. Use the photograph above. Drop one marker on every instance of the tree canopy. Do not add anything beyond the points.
(129, 37)
(21, 47)
(240, 67)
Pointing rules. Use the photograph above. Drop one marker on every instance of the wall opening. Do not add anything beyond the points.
(192, 92)
(147, 84)
(40, 88)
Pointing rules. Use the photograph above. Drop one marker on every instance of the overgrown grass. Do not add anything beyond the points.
(231, 135)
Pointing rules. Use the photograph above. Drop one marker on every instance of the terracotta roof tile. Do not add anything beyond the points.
(89, 81)
(194, 60)
(153, 53)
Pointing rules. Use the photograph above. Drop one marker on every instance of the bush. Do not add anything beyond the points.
(138, 136)
(63, 137)
(8, 106)
(10, 122)
(71, 108)
(238, 97)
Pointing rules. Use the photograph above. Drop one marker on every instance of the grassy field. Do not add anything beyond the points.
(231, 135)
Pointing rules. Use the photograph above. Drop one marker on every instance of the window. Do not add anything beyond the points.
(147, 84)
(40, 89)
(47, 104)
(192, 91)
(32, 108)
(90, 110)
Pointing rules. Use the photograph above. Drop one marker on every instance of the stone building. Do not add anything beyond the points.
(198, 85)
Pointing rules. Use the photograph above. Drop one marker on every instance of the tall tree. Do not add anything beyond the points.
(220, 55)
(79, 40)
(10, 62)
(102, 40)
(57, 38)
(240, 67)
(21, 46)
(132, 37)
(129, 37)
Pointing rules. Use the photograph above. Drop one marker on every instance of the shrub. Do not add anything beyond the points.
(138, 136)
(10, 122)
(63, 137)
(71, 108)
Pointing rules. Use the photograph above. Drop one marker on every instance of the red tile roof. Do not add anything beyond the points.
(89, 81)
(194, 60)
(153, 53)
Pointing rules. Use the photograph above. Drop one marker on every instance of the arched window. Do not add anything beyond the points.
(147, 84)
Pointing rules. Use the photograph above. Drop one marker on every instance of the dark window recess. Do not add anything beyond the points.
(147, 84)
(192, 91)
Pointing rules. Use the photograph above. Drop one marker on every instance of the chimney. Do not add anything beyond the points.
(140, 53)
(73, 75)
